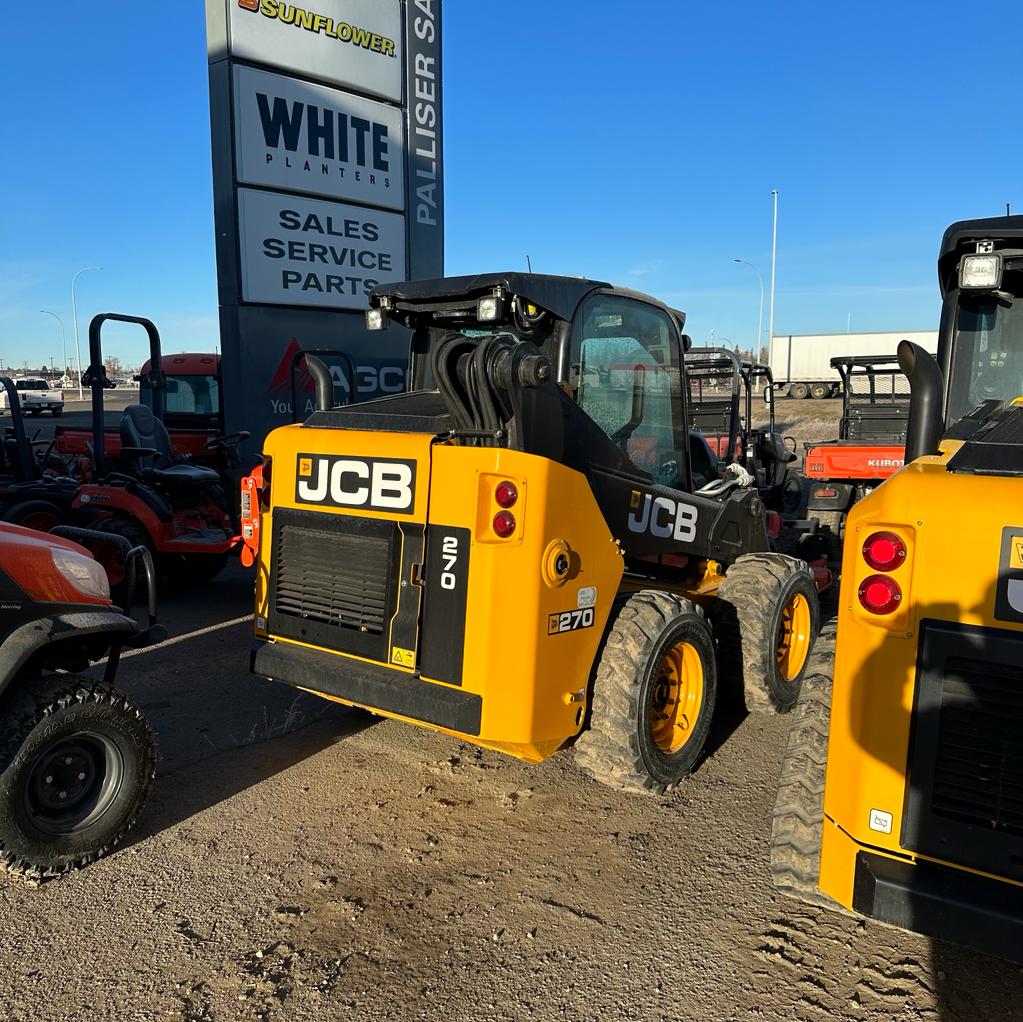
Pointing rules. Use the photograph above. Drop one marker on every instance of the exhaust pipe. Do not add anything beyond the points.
(323, 382)
(926, 422)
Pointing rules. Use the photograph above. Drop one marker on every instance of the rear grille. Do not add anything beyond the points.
(334, 579)
(978, 770)
(964, 797)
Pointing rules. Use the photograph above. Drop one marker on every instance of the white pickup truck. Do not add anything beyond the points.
(36, 397)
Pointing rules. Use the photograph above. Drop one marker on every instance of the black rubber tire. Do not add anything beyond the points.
(32, 411)
(25, 511)
(137, 535)
(57, 411)
(747, 615)
(617, 747)
(799, 391)
(819, 391)
(797, 824)
(32, 720)
(831, 526)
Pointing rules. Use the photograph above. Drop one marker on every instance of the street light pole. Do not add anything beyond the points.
(74, 314)
(63, 338)
(774, 265)
(760, 318)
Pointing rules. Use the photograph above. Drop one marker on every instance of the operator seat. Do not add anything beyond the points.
(141, 428)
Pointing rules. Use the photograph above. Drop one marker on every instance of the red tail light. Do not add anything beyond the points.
(504, 524)
(506, 494)
(880, 594)
(884, 551)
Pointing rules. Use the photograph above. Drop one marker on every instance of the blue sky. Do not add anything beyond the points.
(634, 142)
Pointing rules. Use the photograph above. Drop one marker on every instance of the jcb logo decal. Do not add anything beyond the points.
(376, 484)
(1009, 590)
(662, 516)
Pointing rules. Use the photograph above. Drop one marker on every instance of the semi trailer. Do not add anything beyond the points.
(801, 363)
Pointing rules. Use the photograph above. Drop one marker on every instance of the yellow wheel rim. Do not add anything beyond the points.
(677, 698)
(793, 637)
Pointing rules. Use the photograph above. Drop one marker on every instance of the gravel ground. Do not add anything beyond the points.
(298, 861)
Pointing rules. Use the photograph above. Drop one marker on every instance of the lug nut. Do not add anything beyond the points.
(49, 780)
(63, 794)
(67, 761)
(81, 776)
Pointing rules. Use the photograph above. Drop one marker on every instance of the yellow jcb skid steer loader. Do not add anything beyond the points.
(528, 550)
(902, 791)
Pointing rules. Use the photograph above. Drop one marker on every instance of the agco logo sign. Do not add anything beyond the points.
(371, 484)
(320, 24)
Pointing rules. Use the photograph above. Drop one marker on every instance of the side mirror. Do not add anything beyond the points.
(768, 395)
(687, 342)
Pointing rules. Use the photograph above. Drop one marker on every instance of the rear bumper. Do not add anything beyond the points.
(373, 686)
(942, 901)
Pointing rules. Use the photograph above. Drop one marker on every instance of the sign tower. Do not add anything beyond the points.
(327, 180)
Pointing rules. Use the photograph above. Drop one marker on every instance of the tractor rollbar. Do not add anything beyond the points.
(96, 378)
(926, 421)
(28, 469)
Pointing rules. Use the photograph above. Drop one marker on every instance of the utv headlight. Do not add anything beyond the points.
(981, 272)
(85, 574)
(376, 319)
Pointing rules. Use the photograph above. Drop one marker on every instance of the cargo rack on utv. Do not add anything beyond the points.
(720, 387)
(871, 441)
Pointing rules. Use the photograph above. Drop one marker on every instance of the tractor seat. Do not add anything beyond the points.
(141, 428)
(184, 475)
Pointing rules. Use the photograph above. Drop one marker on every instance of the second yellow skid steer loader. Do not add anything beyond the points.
(528, 550)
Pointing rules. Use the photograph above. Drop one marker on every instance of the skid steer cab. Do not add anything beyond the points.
(902, 789)
(519, 551)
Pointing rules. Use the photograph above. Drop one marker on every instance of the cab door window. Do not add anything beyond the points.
(626, 377)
